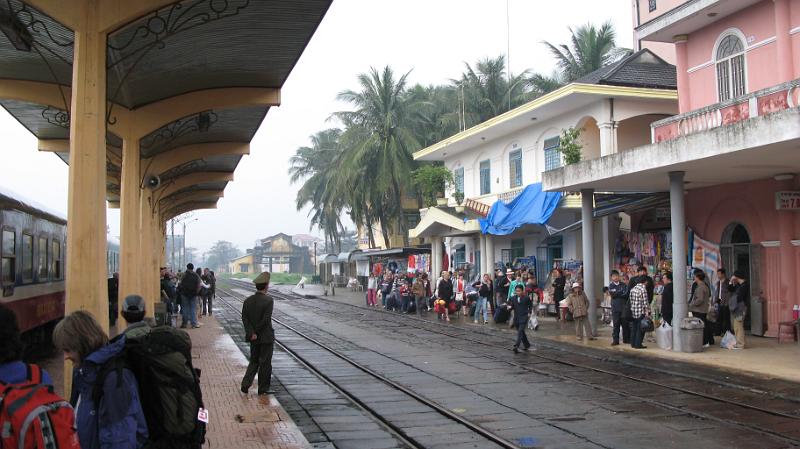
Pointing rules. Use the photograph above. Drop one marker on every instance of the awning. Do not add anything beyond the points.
(406, 251)
(612, 203)
(347, 256)
(329, 258)
(532, 206)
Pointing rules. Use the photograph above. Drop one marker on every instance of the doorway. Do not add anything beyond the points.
(736, 253)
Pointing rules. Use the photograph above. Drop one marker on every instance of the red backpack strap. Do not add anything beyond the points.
(34, 373)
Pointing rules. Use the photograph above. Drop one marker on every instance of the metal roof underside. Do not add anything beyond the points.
(226, 125)
(188, 46)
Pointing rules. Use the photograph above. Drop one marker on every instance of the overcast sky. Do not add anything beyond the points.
(433, 38)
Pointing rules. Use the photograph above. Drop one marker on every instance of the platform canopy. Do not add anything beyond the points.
(227, 61)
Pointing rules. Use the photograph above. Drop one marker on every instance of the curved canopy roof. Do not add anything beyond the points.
(191, 46)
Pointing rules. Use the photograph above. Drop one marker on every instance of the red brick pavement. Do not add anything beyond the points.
(237, 420)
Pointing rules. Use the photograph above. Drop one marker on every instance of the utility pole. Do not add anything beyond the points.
(315, 258)
(183, 264)
(172, 258)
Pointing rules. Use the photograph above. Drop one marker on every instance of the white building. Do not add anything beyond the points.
(495, 160)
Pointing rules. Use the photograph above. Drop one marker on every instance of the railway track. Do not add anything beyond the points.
(775, 419)
(484, 439)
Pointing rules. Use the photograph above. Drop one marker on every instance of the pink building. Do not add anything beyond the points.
(731, 158)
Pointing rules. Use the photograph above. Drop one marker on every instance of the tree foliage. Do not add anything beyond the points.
(432, 180)
(364, 167)
(220, 254)
(569, 145)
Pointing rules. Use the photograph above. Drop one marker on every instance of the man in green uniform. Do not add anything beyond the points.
(257, 320)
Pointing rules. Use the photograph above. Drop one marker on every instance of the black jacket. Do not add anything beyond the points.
(523, 306)
(484, 290)
(619, 294)
(257, 318)
(445, 290)
(742, 294)
(558, 288)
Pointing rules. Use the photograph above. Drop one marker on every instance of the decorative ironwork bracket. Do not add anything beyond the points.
(199, 122)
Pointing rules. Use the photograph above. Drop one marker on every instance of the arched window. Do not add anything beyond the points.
(730, 67)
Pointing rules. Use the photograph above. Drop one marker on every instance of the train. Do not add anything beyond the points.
(33, 263)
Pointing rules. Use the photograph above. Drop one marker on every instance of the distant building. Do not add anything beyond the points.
(305, 240)
(241, 264)
(279, 254)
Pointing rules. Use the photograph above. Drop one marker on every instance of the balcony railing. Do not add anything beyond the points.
(755, 104)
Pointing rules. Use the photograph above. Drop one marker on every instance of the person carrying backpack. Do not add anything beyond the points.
(107, 408)
(188, 289)
(32, 415)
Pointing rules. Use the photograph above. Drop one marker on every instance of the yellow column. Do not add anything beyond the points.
(86, 287)
(86, 209)
(147, 249)
(130, 218)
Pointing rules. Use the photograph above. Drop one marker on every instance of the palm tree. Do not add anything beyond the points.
(591, 48)
(488, 92)
(316, 165)
(378, 142)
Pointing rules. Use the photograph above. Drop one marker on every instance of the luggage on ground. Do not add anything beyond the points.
(501, 315)
(664, 336)
(728, 341)
(33, 416)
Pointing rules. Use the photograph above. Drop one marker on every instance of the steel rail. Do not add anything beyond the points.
(398, 433)
(497, 439)
(793, 441)
(437, 330)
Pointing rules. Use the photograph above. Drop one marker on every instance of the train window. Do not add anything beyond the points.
(8, 266)
(27, 257)
(55, 258)
(43, 258)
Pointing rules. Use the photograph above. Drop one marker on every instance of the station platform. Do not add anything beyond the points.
(236, 420)
(764, 357)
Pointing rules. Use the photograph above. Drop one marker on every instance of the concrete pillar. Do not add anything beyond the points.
(783, 40)
(86, 210)
(608, 138)
(679, 305)
(587, 216)
(490, 253)
(147, 249)
(606, 233)
(682, 66)
(482, 246)
(436, 257)
(130, 256)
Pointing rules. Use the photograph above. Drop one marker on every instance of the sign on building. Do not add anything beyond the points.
(787, 200)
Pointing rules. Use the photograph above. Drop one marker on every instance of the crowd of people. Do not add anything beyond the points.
(191, 293)
(505, 296)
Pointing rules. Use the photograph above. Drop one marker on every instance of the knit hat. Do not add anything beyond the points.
(133, 303)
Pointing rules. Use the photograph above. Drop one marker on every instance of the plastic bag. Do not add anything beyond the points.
(533, 323)
(728, 341)
(664, 336)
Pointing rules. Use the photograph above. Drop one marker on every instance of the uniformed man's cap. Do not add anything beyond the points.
(262, 278)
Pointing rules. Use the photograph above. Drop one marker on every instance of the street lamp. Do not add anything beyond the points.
(184, 239)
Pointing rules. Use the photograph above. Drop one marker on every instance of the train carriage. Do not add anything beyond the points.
(32, 263)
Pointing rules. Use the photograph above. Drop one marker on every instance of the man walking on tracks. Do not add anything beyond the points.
(522, 307)
(257, 320)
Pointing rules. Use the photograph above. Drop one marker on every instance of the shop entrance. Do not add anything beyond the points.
(736, 253)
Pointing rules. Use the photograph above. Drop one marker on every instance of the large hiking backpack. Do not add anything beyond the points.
(169, 386)
(33, 416)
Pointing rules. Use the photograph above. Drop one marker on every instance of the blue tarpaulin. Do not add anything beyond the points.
(532, 206)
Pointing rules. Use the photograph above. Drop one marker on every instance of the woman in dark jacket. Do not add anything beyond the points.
(444, 292)
(117, 421)
(559, 283)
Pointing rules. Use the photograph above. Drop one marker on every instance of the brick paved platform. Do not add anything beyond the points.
(237, 420)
